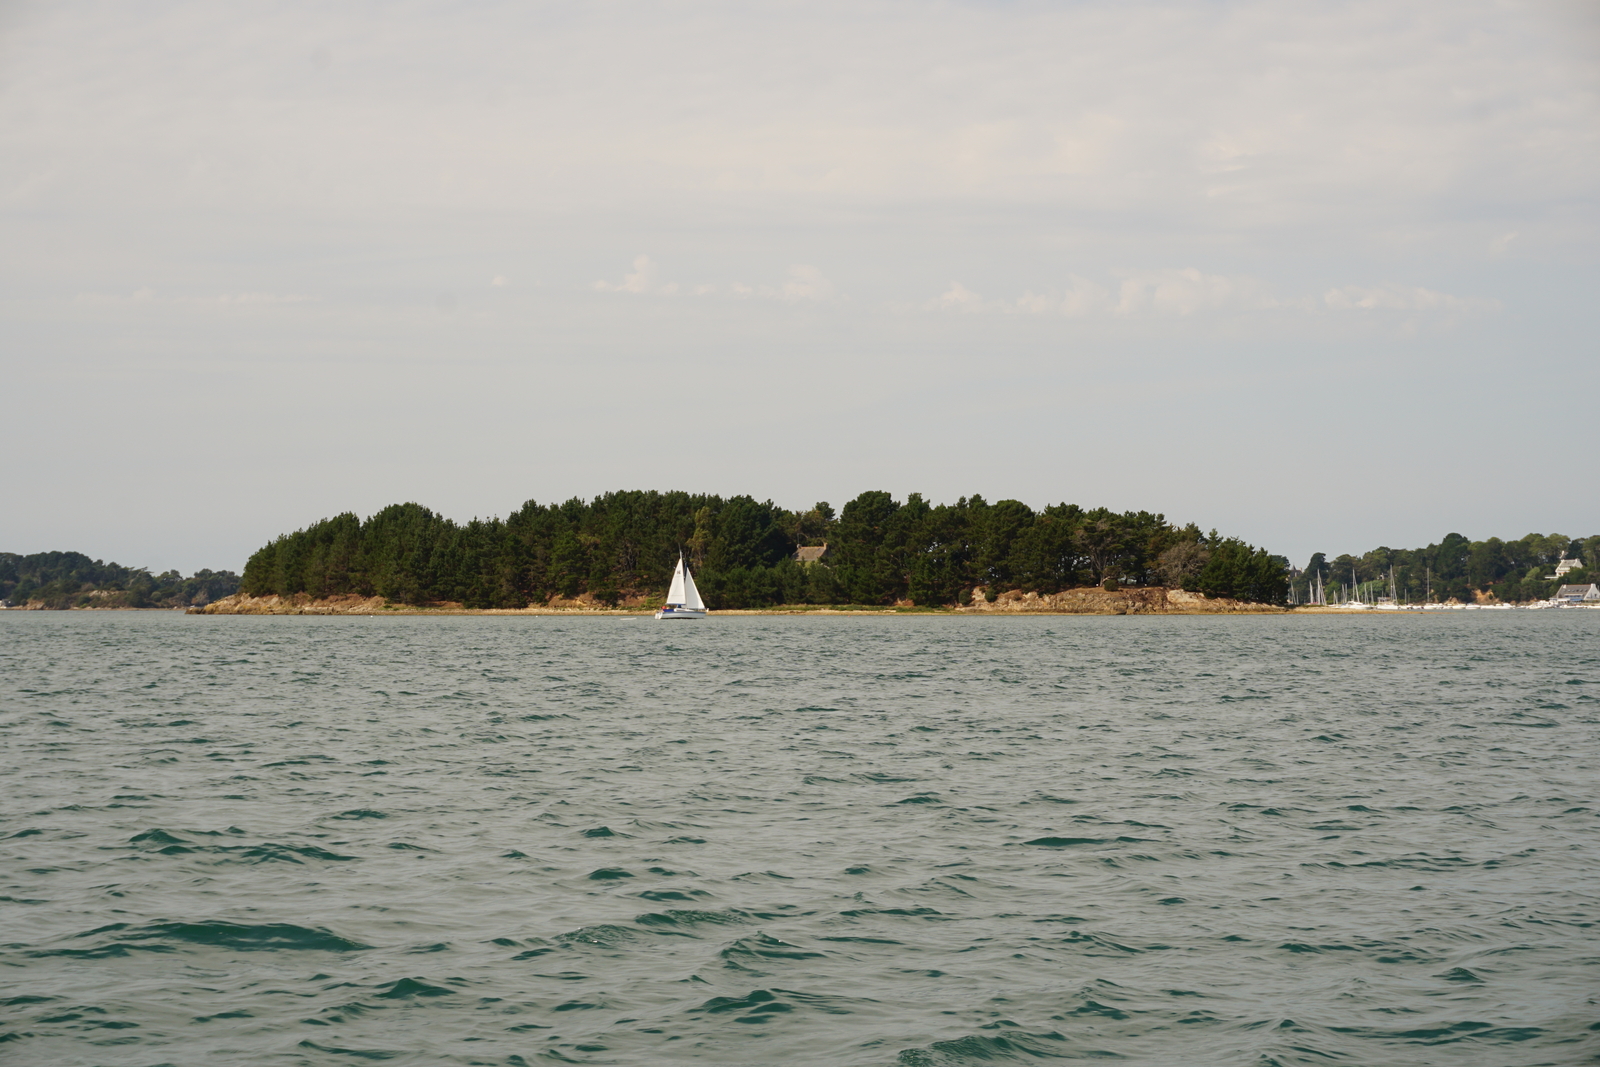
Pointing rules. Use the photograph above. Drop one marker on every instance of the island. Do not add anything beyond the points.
(616, 552)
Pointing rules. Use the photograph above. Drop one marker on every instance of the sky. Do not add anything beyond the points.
(1318, 275)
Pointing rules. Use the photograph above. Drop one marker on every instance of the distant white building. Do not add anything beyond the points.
(1577, 594)
(1567, 565)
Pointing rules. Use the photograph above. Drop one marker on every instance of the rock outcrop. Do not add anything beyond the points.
(351, 604)
(300, 604)
(1146, 601)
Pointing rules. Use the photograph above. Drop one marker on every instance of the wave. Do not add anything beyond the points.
(1009, 1046)
(121, 939)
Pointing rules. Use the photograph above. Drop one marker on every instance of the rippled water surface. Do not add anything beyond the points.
(922, 841)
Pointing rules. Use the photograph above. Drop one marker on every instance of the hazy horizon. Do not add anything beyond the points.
(1317, 276)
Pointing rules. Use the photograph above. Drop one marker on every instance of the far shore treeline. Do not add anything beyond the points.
(73, 580)
(1509, 572)
(880, 551)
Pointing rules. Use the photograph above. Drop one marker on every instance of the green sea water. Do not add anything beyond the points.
(800, 840)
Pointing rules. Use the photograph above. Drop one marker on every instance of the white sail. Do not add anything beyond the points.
(676, 593)
(691, 595)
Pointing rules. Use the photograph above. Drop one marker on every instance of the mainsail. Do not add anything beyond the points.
(680, 575)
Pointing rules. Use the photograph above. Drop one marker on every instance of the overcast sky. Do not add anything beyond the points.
(1321, 275)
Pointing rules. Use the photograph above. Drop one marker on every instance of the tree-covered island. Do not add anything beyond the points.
(880, 551)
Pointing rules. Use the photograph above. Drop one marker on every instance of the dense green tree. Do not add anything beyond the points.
(940, 574)
(995, 531)
(747, 534)
(1241, 572)
(862, 548)
(569, 564)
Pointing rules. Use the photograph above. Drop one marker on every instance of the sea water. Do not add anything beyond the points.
(799, 840)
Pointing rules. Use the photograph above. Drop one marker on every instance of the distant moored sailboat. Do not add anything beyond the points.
(683, 599)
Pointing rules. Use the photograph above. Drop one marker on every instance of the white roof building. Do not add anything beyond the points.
(1578, 594)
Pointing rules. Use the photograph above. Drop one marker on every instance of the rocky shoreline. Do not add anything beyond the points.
(1150, 601)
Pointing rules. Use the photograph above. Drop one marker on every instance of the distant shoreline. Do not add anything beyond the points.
(1141, 601)
(806, 609)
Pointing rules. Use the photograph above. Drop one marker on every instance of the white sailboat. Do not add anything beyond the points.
(683, 599)
(1392, 601)
(1355, 602)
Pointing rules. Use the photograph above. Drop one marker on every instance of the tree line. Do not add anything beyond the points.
(1456, 568)
(71, 579)
(880, 551)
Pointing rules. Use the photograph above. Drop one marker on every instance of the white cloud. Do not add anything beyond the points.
(959, 298)
(806, 283)
(1401, 298)
(1181, 292)
(1080, 298)
(641, 280)
(1186, 292)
